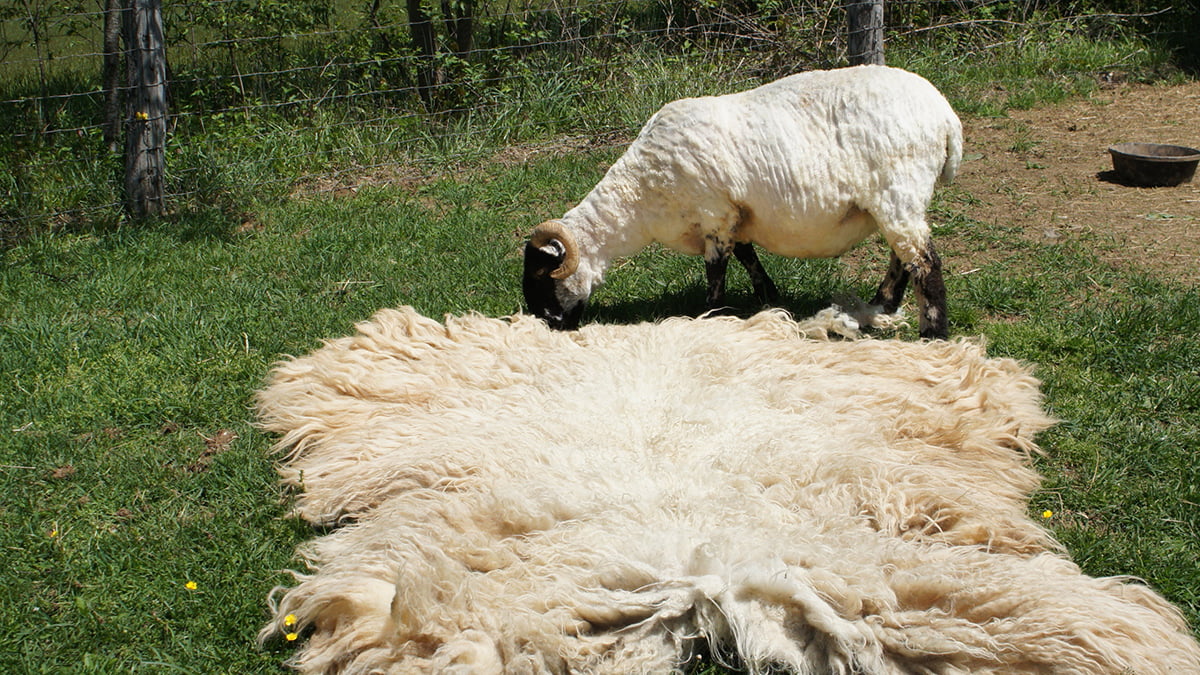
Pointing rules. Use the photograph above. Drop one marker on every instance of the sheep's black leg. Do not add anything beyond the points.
(891, 289)
(764, 288)
(715, 271)
(931, 295)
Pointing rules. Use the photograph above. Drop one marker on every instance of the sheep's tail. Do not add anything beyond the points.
(954, 149)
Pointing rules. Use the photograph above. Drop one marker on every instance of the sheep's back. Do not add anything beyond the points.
(796, 163)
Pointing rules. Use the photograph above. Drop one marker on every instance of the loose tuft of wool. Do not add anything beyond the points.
(511, 499)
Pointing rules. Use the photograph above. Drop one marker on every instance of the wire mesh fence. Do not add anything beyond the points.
(271, 97)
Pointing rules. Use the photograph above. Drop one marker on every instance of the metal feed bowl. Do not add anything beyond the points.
(1153, 164)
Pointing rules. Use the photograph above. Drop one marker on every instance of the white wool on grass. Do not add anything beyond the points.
(513, 499)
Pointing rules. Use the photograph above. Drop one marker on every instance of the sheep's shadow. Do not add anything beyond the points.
(690, 302)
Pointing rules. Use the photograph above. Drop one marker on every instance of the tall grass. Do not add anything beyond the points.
(316, 115)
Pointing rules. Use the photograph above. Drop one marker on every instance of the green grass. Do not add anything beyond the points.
(1020, 71)
(122, 350)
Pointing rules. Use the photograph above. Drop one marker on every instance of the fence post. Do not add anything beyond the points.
(865, 30)
(145, 144)
(420, 25)
(110, 72)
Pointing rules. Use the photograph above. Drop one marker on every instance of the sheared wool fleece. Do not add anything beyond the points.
(509, 499)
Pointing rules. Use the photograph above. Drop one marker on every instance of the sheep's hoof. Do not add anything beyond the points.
(935, 333)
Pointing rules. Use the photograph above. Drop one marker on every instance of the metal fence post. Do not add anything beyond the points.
(865, 29)
(146, 136)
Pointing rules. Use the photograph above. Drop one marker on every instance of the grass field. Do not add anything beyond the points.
(130, 467)
(140, 522)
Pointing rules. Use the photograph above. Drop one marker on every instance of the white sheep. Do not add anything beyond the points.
(806, 167)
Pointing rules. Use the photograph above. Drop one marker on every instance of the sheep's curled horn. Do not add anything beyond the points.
(552, 230)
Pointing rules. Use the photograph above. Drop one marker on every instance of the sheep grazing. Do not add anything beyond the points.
(806, 167)
(797, 505)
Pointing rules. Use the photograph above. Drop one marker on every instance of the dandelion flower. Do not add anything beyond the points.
(291, 637)
(289, 620)
(191, 585)
(1047, 513)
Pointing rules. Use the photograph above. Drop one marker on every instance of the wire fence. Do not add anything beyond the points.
(270, 97)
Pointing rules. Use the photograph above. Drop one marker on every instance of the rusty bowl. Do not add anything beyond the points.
(1154, 164)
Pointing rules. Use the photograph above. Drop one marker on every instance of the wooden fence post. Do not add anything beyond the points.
(110, 73)
(146, 135)
(424, 41)
(865, 30)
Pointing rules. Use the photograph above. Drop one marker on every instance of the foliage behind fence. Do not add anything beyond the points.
(268, 97)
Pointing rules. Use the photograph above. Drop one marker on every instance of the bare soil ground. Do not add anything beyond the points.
(1047, 171)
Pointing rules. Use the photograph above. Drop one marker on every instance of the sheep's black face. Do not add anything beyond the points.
(541, 289)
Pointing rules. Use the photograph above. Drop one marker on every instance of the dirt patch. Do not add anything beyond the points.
(1047, 172)
(217, 444)
(63, 472)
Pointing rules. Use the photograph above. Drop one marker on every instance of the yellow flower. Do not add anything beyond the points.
(289, 620)
(191, 585)
(1047, 513)
(53, 533)
(291, 637)
(142, 115)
